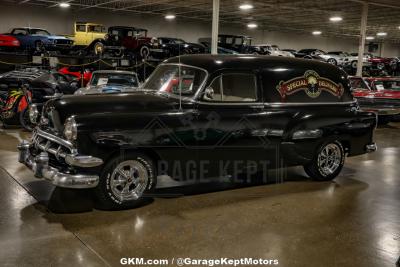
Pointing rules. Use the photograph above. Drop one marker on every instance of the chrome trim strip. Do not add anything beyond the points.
(275, 104)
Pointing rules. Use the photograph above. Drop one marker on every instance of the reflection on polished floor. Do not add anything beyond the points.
(352, 221)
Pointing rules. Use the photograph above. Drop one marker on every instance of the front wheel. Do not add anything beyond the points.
(126, 182)
(25, 120)
(98, 48)
(328, 162)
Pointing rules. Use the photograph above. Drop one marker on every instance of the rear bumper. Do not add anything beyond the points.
(371, 148)
(39, 164)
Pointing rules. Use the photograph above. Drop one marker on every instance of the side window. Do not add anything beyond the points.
(233, 87)
(229, 40)
(239, 41)
(19, 32)
(80, 28)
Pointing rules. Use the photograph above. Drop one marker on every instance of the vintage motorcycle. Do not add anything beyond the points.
(14, 106)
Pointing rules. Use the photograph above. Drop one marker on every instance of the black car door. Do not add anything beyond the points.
(233, 129)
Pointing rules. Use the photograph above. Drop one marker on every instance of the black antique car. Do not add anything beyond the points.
(238, 43)
(176, 47)
(201, 116)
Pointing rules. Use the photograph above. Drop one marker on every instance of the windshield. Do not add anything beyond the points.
(387, 85)
(176, 80)
(39, 32)
(118, 79)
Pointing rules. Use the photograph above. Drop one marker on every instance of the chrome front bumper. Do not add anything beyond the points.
(40, 166)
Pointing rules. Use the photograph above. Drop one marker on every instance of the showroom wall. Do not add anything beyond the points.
(61, 21)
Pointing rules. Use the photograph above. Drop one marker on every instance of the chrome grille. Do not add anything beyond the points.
(52, 144)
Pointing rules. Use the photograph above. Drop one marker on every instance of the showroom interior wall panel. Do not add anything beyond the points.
(61, 21)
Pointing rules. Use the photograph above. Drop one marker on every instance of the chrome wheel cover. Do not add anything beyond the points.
(329, 159)
(129, 179)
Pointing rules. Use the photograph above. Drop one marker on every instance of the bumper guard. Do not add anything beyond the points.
(41, 169)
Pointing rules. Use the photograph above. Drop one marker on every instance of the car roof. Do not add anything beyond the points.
(127, 28)
(233, 35)
(88, 23)
(29, 28)
(213, 63)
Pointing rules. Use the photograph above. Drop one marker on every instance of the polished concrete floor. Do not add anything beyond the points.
(352, 221)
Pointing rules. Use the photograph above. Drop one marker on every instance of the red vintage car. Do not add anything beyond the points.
(383, 63)
(8, 42)
(378, 94)
(76, 73)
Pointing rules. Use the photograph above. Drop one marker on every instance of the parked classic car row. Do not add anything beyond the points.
(378, 94)
(199, 109)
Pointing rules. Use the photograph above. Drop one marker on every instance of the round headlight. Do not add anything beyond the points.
(70, 129)
(33, 113)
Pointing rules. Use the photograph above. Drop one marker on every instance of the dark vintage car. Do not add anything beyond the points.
(134, 41)
(201, 116)
(36, 39)
(378, 94)
(239, 43)
(175, 47)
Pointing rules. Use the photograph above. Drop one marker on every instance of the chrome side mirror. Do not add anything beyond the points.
(209, 93)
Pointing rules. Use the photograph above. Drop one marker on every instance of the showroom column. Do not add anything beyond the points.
(215, 25)
(363, 31)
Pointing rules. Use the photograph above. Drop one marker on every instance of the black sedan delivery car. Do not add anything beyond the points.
(201, 116)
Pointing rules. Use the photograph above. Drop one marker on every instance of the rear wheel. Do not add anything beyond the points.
(144, 52)
(332, 61)
(126, 182)
(354, 64)
(327, 163)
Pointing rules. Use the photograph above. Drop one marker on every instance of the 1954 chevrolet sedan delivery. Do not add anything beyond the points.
(210, 116)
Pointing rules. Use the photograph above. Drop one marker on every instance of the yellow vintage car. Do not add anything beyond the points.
(90, 36)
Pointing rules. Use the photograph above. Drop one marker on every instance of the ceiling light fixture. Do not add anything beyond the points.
(246, 7)
(64, 4)
(381, 34)
(170, 16)
(252, 25)
(316, 32)
(369, 38)
(335, 19)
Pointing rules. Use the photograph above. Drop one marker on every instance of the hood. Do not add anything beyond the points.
(110, 103)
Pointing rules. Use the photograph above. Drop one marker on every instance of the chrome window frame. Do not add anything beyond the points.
(186, 98)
